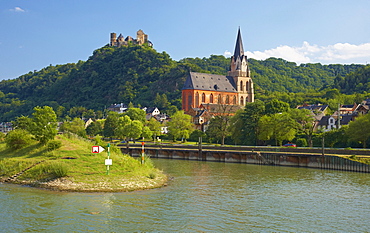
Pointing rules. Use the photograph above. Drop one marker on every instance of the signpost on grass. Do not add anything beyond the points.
(98, 149)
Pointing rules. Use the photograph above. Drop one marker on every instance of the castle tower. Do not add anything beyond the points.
(240, 72)
(141, 37)
(113, 39)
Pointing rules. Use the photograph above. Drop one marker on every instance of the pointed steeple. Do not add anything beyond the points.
(239, 50)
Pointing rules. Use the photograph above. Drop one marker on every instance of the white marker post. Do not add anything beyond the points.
(108, 162)
(142, 152)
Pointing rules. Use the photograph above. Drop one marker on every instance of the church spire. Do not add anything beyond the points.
(239, 50)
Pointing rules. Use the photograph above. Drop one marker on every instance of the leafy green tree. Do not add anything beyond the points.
(134, 129)
(110, 124)
(244, 124)
(180, 126)
(121, 131)
(44, 124)
(146, 132)
(218, 128)
(278, 126)
(95, 128)
(358, 130)
(22, 122)
(136, 114)
(77, 126)
(154, 126)
(18, 138)
(276, 106)
(306, 123)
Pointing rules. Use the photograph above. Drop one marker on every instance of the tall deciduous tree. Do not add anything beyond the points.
(136, 114)
(306, 122)
(278, 126)
(358, 130)
(244, 125)
(180, 125)
(111, 123)
(44, 124)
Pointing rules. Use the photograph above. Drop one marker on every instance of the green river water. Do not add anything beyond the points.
(201, 197)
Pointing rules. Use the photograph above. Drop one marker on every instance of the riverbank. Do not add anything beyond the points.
(73, 167)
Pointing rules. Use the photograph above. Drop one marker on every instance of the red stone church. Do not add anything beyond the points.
(204, 92)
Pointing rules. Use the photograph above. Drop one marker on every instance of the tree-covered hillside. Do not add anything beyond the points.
(141, 75)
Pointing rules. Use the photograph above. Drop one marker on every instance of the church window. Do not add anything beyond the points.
(247, 86)
(234, 100)
(242, 101)
(241, 85)
(203, 98)
(227, 99)
(196, 100)
(219, 99)
(190, 101)
(211, 98)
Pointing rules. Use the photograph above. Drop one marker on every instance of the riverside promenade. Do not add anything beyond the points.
(333, 159)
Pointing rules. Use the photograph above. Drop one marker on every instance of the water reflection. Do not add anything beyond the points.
(203, 196)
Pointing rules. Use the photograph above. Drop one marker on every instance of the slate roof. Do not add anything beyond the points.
(209, 82)
(314, 107)
(239, 50)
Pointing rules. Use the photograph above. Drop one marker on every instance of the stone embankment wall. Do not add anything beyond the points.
(233, 155)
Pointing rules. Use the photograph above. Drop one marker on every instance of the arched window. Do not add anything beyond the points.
(197, 100)
(211, 98)
(227, 99)
(219, 99)
(242, 101)
(190, 98)
(203, 98)
(247, 86)
(241, 86)
(234, 100)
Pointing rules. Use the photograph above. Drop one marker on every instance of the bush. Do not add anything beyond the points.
(2, 136)
(53, 145)
(18, 138)
(301, 142)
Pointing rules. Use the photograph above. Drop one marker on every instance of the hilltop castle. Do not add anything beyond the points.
(141, 38)
(210, 91)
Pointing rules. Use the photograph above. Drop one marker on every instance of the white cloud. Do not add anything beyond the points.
(342, 53)
(17, 9)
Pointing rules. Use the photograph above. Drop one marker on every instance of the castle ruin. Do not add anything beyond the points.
(141, 38)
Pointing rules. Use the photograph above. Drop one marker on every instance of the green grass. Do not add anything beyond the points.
(81, 169)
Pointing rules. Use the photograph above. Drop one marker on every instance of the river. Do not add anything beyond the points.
(201, 197)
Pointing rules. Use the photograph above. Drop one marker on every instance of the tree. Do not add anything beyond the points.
(154, 126)
(18, 138)
(276, 106)
(134, 129)
(306, 122)
(146, 132)
(44, 124)
(136, 114)
(110, 124)
(218, 128)
(278, 126)
(77, 126)
(358, 130)
(180, 126)
(121, 131)
(244, 124)
(95, 128)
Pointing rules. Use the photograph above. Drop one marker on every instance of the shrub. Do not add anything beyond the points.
(2, 136)
(301, 142)
(53, 145)
(18, 138)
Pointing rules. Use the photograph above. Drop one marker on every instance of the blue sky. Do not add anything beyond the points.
(37, 33)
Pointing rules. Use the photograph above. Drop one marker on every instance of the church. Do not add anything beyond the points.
(208, 92)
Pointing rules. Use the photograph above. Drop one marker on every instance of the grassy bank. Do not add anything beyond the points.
(73, 167)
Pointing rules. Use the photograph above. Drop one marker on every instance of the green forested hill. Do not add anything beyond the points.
(138, 74)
